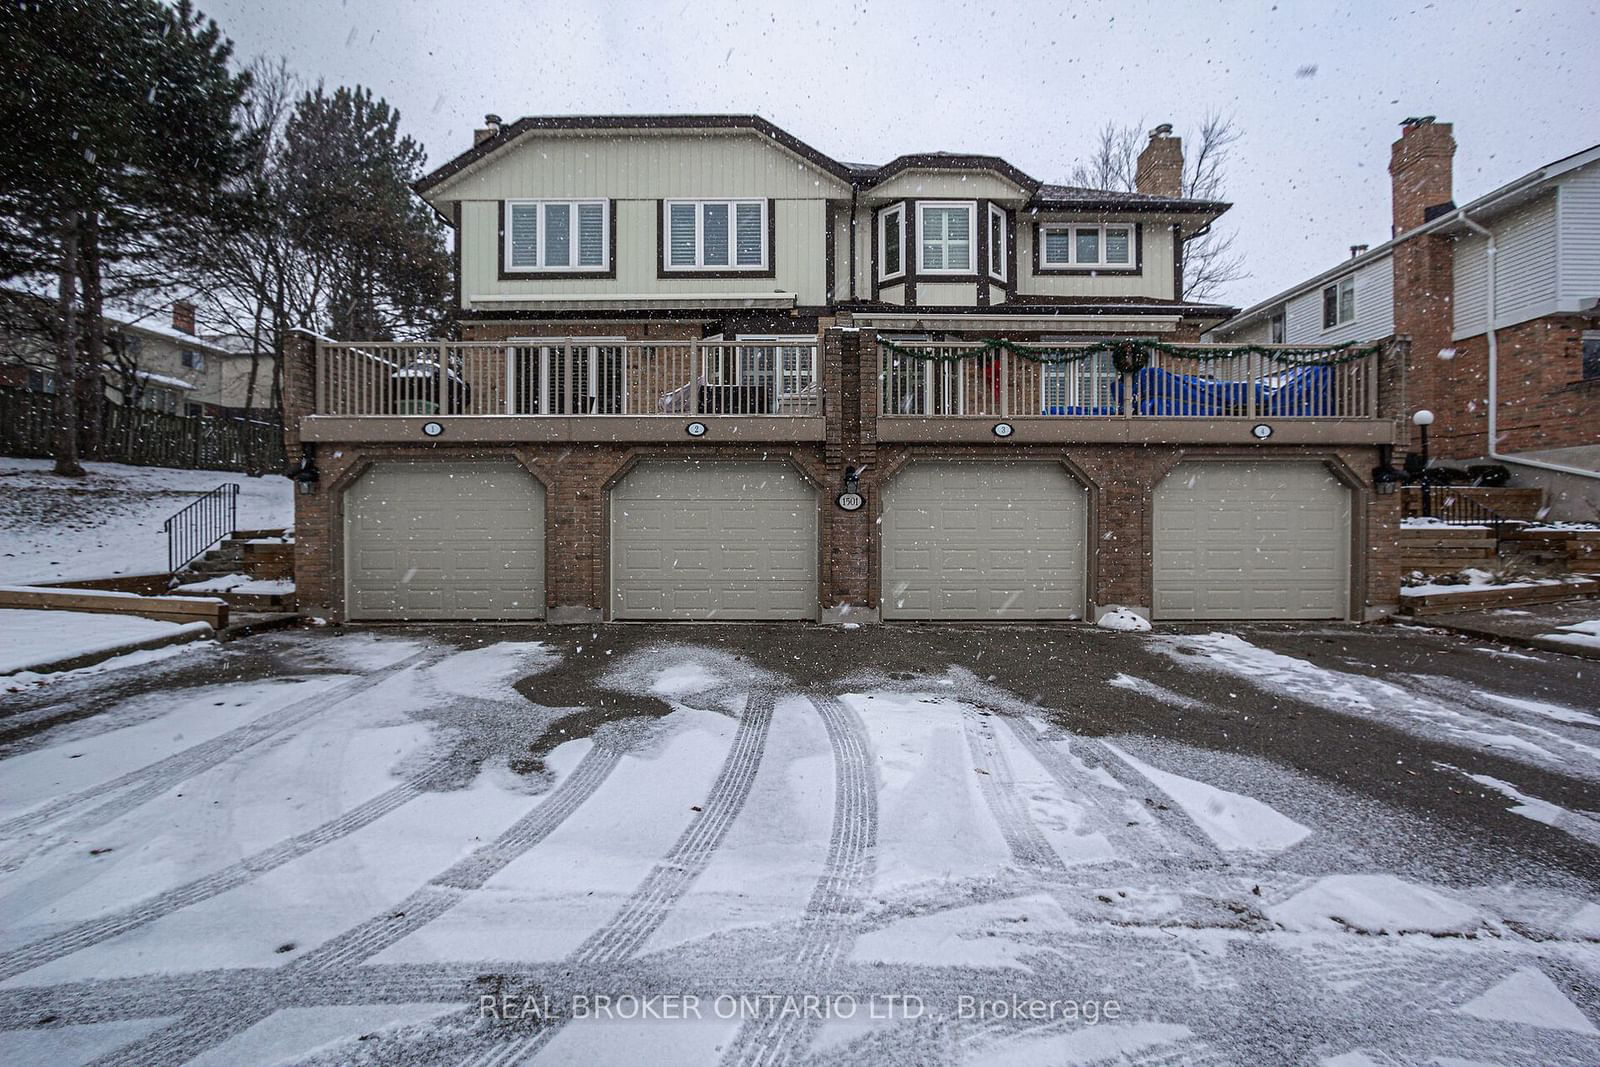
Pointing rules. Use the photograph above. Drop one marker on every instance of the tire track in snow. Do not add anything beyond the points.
(827, 928)
(145, 783)
(998, 784)
(196, 1032)
(106, 927)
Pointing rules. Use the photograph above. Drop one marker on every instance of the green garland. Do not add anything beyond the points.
(1131, 354)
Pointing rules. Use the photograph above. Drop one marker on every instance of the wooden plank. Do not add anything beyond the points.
(1476, 599)
(164, 608)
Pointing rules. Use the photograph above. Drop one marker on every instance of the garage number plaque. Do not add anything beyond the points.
(696, 429)
(1261, 431)
(433, 429)
(1003, 429)
(851, 501)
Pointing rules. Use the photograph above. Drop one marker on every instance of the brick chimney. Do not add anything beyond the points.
(491, 128)
(183, 316)
(1160, 169)
(1420, 164)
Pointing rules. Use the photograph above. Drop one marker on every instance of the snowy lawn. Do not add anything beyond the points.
(1034, 846)
(33, 638)
(109, 522)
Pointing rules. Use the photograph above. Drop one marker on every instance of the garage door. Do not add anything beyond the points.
(1251, 541)
(445, 541)
(983, 541)
(698, 540)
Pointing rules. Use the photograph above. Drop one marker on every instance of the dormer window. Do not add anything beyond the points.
(1079, 246)
(944, 237)
(557, 235)
(892, 242)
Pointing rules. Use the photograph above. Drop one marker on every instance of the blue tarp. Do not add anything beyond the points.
(1300, 391)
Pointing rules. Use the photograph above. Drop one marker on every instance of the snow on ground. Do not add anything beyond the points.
(109, 522)
(1586, 633)
(33, 638)
(240, 583)
(344, 852)
(1432, 707)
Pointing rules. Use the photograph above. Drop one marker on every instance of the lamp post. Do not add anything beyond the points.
(1422, 420)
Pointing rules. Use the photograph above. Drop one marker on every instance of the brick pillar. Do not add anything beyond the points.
(849, 371)
(312, 543)
(1424, 280)
(299, 388)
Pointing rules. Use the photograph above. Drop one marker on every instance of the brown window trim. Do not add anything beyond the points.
(771, 270)
(1100, 272)
(556, 275)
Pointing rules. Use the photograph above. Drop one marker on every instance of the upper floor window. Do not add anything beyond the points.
(715, 235)
(1085, 247)
(944, 237)
(998, 253)
(1277, 328)
(558, 235)
(193, 360)
(1339, 303)
(892, 242)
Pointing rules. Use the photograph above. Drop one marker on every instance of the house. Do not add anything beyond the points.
(1501, 300)
(166, 366)
(706, 371)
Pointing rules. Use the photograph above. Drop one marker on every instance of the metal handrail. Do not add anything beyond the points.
(1457, 510)
(200, 524)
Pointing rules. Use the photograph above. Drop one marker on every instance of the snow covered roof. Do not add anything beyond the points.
(164, 380)
(149, 321)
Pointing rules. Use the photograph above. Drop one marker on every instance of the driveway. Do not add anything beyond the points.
(744, 844)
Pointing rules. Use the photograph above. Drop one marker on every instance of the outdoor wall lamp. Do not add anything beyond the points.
(851, 499)
(306, 476)
(1385, 479)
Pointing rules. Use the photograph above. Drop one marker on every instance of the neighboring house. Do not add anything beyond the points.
(151, 362)
(1432, 283)
(708, 372)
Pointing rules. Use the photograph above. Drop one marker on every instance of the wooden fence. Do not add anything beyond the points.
(146, 438)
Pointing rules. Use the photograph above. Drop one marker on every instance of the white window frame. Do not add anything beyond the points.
(898, 210)
(1073, 262)
(700, 265)
(999, 251)
(971, 208)
(1347, 283)
(1278, 324)
(542, 246)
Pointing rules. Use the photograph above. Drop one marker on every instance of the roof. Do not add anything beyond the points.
(146, 321)
(860, 175)
(1507, 196)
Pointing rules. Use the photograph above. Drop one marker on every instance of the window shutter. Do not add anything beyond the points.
(591, 235)
(558, 235)
(1057, 247)
(524, 235)
(749, 237)
(682, 227)
(714, 239)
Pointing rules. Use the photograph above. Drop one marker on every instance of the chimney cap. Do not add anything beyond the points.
(1356, 250)
(491, 120)
(1417, 121)
(1163, 130)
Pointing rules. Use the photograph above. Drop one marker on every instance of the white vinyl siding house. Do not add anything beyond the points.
(1371, 290)
(1578, 246)
(1152, 264)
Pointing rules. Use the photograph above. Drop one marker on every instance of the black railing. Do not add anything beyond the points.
(202, 524)
(1453, 509)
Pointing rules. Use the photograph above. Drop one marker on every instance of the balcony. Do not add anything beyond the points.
(566, 389)
(961, 391)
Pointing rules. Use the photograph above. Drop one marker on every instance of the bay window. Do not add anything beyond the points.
(557, 235)
(892, 242)
(944, 237)
(998, 253)
(714, 235)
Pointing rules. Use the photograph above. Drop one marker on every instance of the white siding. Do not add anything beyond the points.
(946, 185)
(1258, 332)
(1153, 280)
(1374, 309)
(946, 294)
(800, 255)
(1525, 274)
(1578, 209)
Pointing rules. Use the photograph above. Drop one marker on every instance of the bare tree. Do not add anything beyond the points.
(1209, 258)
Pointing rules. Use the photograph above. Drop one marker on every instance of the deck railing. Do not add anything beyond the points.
(569, 376)
(996, 383)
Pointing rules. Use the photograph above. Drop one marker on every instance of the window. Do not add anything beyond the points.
(193, 360)
(1088, 247)
(892, 242)
(944, 238)
(44, 381)
(1591, 356)
(1339, 303)
(715, 235)
(1277, 329)
(558, 235)
(998, 253)
(1085, 386)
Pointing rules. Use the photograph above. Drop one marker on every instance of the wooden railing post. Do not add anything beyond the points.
(1252, 379)
(320, 368)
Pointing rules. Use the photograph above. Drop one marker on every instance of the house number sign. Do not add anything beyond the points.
(851, 501)
(432, 429)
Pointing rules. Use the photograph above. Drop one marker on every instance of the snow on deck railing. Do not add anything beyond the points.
(569, 376)
(974, 379)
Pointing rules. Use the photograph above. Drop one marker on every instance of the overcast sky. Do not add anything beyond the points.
(1318, 90)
